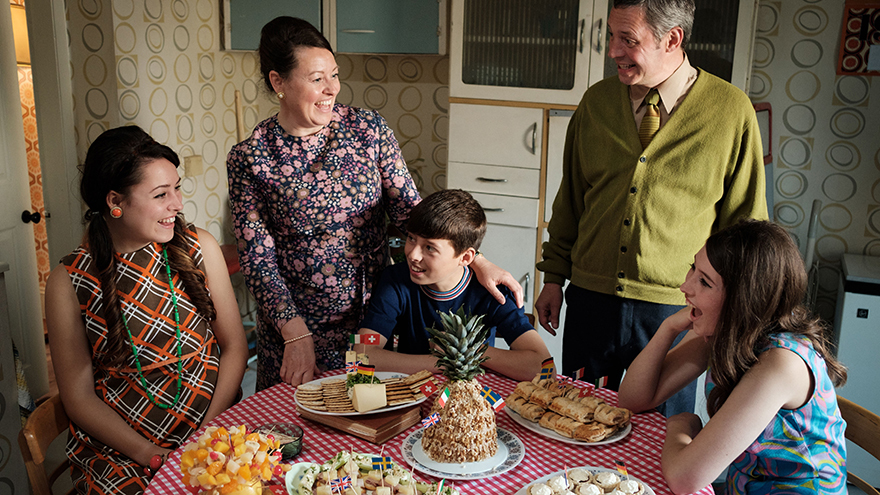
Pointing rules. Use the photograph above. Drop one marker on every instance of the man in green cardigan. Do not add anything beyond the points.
(628, 219)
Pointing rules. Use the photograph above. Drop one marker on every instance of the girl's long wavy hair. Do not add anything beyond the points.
(765, 283)
(114, 163)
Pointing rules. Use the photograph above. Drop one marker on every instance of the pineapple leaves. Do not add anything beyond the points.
(460, 345)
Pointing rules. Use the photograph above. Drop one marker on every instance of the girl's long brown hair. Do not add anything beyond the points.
(765, 283)
(113, 163)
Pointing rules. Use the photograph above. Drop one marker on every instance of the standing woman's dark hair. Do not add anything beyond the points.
(764, 283)
(113, 163)
(279, 40)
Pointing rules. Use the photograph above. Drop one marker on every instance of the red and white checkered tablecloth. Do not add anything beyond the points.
(640, 450)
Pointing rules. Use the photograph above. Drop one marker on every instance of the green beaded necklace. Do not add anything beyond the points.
(179, 353)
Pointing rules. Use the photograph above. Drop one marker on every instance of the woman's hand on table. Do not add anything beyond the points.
(298, 364)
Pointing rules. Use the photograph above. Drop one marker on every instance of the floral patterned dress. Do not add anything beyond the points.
(310, 217)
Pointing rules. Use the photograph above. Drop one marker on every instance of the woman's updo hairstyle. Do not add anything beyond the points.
(279, 40)
(114, 163)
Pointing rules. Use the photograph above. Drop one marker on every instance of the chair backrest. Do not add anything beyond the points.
(44, 425)
(863, 429)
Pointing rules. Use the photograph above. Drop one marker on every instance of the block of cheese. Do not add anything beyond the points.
(383, 490)
(368, 396)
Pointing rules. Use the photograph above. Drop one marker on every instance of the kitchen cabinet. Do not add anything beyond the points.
(547, 52)
(351, 26)
(495, 153)
(242, 20)
(390, 26)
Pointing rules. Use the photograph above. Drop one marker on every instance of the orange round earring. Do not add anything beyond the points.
(116, 212)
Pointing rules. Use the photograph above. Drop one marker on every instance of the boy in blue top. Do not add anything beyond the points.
(445, 232)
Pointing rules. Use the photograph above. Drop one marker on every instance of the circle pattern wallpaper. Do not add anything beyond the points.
(825, 136)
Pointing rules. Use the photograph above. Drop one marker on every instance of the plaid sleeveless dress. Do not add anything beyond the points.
(143, 287)
(802, 451)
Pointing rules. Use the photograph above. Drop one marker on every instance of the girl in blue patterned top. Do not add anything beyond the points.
(770, 386)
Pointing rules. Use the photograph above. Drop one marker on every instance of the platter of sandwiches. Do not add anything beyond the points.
(562, 412)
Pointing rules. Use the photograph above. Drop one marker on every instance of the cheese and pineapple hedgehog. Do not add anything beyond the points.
(466, 431)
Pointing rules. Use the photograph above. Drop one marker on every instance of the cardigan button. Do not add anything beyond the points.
(618, 288)
(633, 190)
(642, 159)
(622, 249)
(626, 222)
(620, 275)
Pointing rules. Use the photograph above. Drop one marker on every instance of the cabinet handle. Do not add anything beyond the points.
(358, 31)
(488, 179)
(599, 38)
(534, 137)
(581, 40)
(494, 210)
(526, 282)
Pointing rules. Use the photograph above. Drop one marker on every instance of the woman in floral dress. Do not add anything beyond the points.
(311, 189)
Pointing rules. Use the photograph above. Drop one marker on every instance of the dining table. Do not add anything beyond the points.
(639, 450)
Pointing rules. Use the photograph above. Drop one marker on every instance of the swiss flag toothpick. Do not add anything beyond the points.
(428, 388)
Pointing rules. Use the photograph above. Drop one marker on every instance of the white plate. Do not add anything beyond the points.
(514, 452)
(540, 430)
(380, 375)
(594, 470)
(293, 477)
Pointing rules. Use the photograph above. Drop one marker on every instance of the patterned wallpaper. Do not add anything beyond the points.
(158, 64)
(35, 175)
(825, 136)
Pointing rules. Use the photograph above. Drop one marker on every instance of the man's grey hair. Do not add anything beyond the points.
(663, 15)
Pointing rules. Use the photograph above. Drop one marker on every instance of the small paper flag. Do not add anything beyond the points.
(621, 468)
(431, 420)
(382, 463)
(440, 486)
(443, 397)
(369, 339)
(352, 367)
(428, 388)
(601, 382)
(493, 398)
(548, 369)
(585, 392)
(579, 374)
(340, 484)
(366, 369)
(396, 341)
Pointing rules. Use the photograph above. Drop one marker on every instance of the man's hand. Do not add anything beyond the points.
(548, 305)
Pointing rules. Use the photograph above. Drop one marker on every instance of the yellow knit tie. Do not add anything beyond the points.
(651, 121)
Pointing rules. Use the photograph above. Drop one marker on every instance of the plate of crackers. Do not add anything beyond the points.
(328, 396)
(561, 412)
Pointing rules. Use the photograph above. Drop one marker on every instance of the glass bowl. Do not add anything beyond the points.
(290, 436)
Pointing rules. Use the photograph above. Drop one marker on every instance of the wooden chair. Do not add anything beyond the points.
(44, 425)
(862, 429)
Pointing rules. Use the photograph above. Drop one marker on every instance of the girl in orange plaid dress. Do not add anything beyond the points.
(147, 341)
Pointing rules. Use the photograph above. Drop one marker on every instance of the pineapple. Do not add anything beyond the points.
(466, 431)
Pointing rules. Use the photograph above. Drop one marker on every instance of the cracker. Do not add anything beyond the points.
(417, 376)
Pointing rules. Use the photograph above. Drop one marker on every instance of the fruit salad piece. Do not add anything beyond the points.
(223, 461)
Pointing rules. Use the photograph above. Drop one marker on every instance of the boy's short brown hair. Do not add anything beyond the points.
(450, 214)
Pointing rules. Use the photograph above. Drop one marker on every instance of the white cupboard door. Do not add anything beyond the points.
(513, 249)
(494, 135)
(494, 180)
(509, 210)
